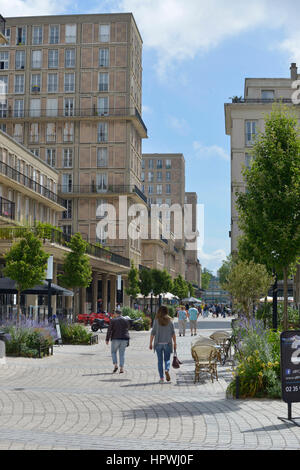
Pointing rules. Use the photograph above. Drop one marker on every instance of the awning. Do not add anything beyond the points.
(8, 286)
(191, 300)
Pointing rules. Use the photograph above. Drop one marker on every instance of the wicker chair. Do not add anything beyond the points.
(205, 357)
(223, 339)
(202, 340)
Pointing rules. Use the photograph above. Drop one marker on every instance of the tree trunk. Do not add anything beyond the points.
(285, 298)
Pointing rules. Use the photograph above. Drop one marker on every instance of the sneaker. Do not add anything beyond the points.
(167, 376)
(161, 381)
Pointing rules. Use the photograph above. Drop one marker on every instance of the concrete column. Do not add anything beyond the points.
(32, 301)
(126, 298)
(113, 292)
(94, 291)
(82, 300)
(104, 291)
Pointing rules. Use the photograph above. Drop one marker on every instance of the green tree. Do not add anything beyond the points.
(225, 270)
(191, 289)
(26, 264)
(206, 276)
(269, 211)
(76, 268)
(161, 282)
(145, 283)
(180, 287)
(247, 282)
(133, 287)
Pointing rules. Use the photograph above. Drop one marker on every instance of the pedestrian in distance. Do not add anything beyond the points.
(118, 333)
(163, 334)
(182, 318)
(193, 316)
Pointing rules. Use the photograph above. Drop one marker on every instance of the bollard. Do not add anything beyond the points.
(3, 338)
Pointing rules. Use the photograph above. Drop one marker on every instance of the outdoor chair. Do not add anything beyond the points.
(205, 357)
(201, 340)
(223, 340)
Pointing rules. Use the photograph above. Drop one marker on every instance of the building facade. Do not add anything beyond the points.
(244, 117)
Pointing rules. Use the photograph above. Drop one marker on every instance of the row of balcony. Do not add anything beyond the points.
(7, 208)
(29, 183)
(107, 189)
(70, 112)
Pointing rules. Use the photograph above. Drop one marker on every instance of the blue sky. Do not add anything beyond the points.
(196, 55)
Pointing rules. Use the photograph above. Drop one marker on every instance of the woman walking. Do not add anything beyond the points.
(163, 333)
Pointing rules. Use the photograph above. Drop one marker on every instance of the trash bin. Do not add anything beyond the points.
(4, 337)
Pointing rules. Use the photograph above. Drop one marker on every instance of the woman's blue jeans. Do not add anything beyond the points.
(118, 345)
(163, 352)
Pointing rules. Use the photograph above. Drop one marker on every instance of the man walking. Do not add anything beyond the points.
(182, 317)
(193, 315)
(118, 333)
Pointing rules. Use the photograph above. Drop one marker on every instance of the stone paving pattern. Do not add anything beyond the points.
(72, 400)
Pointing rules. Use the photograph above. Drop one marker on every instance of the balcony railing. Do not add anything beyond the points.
(29, 183)
(94, 189)
(261, 100)
(7, 208)
(79, 113)
(56, 236)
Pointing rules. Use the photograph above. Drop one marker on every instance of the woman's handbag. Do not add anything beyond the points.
(176, 362)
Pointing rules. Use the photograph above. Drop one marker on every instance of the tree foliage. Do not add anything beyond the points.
(162, 282)
(133, 287)
(180, 287)
(247, 282)
(269, 211)
(206, 276)
(77, 271)
(26, 264)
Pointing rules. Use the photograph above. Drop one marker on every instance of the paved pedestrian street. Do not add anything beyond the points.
(73, 401)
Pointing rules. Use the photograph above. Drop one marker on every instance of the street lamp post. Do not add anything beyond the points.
(49, 278)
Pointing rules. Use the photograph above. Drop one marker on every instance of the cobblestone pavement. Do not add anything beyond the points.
(72, 401)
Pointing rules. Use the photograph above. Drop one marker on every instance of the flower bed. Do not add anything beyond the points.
(29, 339)
(258, 360)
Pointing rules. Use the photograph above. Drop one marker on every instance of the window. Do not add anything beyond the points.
(67, 214)
(37, 35)
(267, 94)
(68, 132)
(19, 83)
(159, 176)
(36, 59)
(67, 182)
(7, 35)
(69, 83)
(3, 127)
(104, 32)
(34, 132)
(158, 163)
(70, 35)
(150, 164)
(143, 164)
(150, 188)
(250, 132)
(150, 176)
(103, 57)
(142, 176)
(52, 82)
(69, 107)
(3, 84)
(3, 108)
(67, 230)
(20, 60)
(101, 182)
(168, 189)
(19, 108)
(159, 189)
(4, 59)
(248, 159)
(102, 157)
(69, 58)
(18, 133)
(36, 82)
(53, 34)
(52, 107)
(68, 158)
(103, 106)
(35, 152)
(168, 164)
(51, 157)
(103, 81)
(168, 176)
(50, 132)
(102, 132)
(35, 107)
(52, 58)
(21, 35)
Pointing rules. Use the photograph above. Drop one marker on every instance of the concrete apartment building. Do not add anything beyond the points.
(71, 92)
(73, 87)
(243, 118)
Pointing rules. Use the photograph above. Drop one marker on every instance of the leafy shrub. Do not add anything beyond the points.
(172, 310)
(131, 313)
(146, 322)
(258, 358)
(28, 337)
(74, 333)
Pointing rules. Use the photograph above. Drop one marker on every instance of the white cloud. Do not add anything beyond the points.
(212, 261)
(14, 8)
(178, 124)
(209, 152)
(179, 30)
